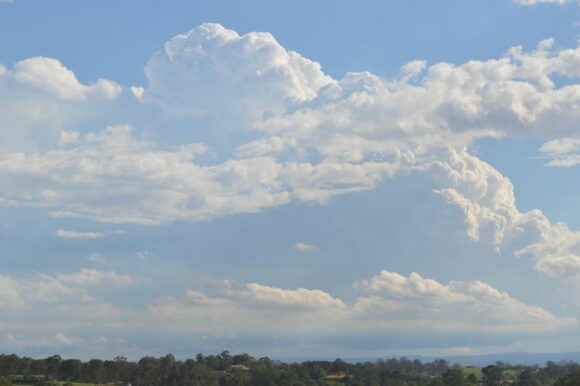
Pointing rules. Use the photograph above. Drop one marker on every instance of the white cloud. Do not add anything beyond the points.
(50, 75)
(395, 303)
(93, 278)
(34, 291)
(534, 2)
(67, 234)
(305, 247)
(561, 146)
(266, 127)
(491, 216)
(211, 70)
(414, 286)
(563, 152)
(96, 258)
(271, 128)
(461, 350)
(9, 294)
(458, 304)
(560, 266)
(300, 297)
(63, 234)
(390, 304)
(64, 340)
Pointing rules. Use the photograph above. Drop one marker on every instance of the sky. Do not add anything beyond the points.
(290, 179)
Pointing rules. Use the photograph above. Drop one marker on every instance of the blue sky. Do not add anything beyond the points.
(289, 178)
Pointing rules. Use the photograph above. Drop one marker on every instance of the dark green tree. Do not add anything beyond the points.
(5, 381)
(94, 371)
(492, 375)
(53, 366)
(572, 379)
(471, 379)
(453, 377)
(527, 378)
(437, 381)
(70, 370)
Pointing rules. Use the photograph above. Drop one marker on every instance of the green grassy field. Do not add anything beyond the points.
(473, 370)
(85, 384)
(508, 374)
(60, 383)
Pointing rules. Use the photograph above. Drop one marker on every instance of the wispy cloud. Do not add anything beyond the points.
(305, 247)
(535, 2)
(67, 234)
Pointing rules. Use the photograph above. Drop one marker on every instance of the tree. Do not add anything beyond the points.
(168, 370)
(38, 367)
(339, 366)
(195, 373)
(527, 378)
(243, 359)
(94, 371)
(225, 360)
(572, 379)
(53, 366)
(70, 370)
(5, 381)
(492, 375)
(471, 379)
(148, 372)
(438, 381)
(453, 377)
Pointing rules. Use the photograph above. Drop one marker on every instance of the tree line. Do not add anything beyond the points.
(226, 369)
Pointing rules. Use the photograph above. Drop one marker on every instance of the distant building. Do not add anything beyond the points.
(336, 377)
(235, 368)
(122, 384)
(28, 378)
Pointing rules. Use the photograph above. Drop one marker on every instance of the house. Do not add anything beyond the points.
(336, 377)
(234, 368)
(26, 378)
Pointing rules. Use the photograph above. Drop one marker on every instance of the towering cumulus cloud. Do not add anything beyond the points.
(213, 71)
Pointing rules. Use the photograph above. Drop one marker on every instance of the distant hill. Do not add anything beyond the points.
(528, 359)
(515, 358)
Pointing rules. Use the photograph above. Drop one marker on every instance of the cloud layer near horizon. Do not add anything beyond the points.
(389, 303)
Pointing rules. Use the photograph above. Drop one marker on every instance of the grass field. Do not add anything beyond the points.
(62, 383)
(473, 370)
(508, 374)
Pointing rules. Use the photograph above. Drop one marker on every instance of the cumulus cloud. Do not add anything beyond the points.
(534, 2)
(299, 297)
(488, 202)
(271, 128)
(60, 288)
(393, 303)
(47, 74)
(563, 152)
(67, 234)
(232, 77)
(64, 234)
(413, 286)
(69, 344)
(93, 278)
(457, 303)
(9, 294)
(145, 185)
(560, 266)
(305, 247)
(387, 303)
